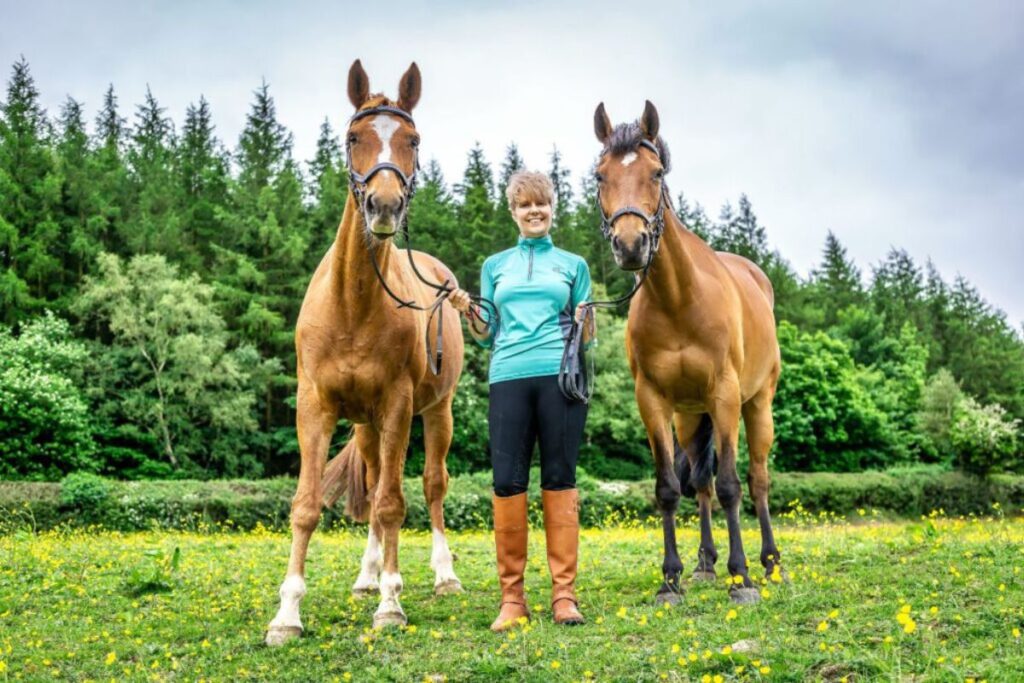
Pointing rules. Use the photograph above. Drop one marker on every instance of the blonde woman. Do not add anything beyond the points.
(538, 289)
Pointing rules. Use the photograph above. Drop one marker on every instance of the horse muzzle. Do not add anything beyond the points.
(631, 256)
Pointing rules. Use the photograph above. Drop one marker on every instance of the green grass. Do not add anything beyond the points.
(78, 605)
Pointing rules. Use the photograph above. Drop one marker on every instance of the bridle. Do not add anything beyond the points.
(358, 183)
(575, 377)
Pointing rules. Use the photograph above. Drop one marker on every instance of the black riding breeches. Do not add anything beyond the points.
(523, 412)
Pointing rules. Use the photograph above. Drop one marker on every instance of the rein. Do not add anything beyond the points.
(576, 375)
(359, 182)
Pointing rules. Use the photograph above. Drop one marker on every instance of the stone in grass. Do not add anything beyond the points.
(747, 647)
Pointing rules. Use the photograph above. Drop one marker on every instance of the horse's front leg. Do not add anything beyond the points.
(316, 422)
(656, 413)
(725, 414)
(395, 421)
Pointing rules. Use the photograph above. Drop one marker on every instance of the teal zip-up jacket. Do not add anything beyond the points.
(536, 287)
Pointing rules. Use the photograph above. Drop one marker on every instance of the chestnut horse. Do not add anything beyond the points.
(361, 357)
(702, 348)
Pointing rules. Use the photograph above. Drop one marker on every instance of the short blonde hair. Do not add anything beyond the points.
(529, 185)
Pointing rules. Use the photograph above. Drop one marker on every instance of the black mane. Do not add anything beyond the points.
(626, 138)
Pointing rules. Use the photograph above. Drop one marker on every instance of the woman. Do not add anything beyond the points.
(537, 288)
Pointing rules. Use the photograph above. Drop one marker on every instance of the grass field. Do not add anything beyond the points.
(934, 599)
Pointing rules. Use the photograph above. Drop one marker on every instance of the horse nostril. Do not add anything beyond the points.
(644, 239)
(615, 242)
(371, 201)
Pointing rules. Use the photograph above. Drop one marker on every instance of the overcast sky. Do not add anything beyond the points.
(892, 124)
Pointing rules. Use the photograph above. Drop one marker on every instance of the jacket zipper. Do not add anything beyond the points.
(529, 271)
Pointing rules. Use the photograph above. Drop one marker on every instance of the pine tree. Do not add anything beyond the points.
(559, 175)
(153, 225)
(478, 233)
(79, 206)
(329, 179)
(896, 291)
(202, 170)
(836, 282)
(694, 218)
(741, 234)
(512, 164)
(110, 180)
(434, 223)
(31, 270)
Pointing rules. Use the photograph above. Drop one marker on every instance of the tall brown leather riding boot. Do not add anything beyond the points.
(510, 533)
(562, 527)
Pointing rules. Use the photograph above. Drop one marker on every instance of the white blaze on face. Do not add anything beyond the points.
(385, 127)
(629, 158)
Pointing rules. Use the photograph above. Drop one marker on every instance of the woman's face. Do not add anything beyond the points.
(533, 218)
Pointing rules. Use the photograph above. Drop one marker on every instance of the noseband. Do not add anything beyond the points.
(359, 182)
(653, 223)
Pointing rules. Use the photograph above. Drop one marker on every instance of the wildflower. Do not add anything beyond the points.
(718, 679)
(909, 627)
(1016, 632)
(727, 650)
(730, 615)
(555, 664)
(675, 648)
(822, 626)
(833, 614)
(621, 614)
(111, 658)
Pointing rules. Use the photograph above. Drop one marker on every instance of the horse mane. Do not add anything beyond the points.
(626, 137)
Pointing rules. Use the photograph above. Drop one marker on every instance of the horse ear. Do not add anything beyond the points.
(649, 121)
(358, 85)
(602, 125)
(409, 88)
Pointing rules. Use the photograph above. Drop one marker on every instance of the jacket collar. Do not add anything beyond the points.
(537, 243)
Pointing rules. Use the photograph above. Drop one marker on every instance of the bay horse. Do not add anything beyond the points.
(361, 357)
(702, 349)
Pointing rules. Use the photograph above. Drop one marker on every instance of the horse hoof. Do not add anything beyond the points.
(668, 598)
(704, 575)
(449, 587)
(365, 591)
(279, 635)
(745, 596)
(385, 619)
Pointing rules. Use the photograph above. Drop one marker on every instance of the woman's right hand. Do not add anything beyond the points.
(459, 298)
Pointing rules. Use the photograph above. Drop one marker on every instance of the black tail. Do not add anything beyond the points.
(704, 443)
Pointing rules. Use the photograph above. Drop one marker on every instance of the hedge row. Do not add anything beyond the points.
(86, 499)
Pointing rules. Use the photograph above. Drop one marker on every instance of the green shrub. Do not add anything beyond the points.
(140, 505)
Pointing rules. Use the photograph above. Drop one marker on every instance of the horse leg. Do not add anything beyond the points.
(368, 443)
(726, 417)
(437, 435)
(656, 413)
(697, 433)
(757, 416)
(316, 423)
(389, 502)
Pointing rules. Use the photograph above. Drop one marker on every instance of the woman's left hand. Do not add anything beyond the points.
(581, 312)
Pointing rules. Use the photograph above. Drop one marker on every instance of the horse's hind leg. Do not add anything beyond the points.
(437, 435)
(757, 416)
(726, 417)
(316, 423)
(697, 433)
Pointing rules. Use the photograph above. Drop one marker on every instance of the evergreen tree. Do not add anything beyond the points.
(741, 234)
(79, 206)
(329, 179)
(31, 270)
(153, 224)
(110, 178)
(694, 218)
(836, 283)
(559, 175)
(203, 177)
(896, 291)
(505, 223)
(477, 236)
(434, 223)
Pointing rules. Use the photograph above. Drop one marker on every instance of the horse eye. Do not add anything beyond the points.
(659, 174)
(352, 138)
(415, 142)
(598, 177)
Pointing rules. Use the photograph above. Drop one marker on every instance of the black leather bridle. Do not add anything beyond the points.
(576, 376)
(358, 183)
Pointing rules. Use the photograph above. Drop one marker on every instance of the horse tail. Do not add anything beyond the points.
(704, 444)
(345, 477)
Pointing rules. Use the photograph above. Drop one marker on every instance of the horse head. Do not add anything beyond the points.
(631, 192)
(382, 150)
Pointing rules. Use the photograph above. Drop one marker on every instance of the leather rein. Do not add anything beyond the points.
(576, 376)
(358, 182)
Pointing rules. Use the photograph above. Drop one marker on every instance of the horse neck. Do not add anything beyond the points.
(353, 276)
(671, 279)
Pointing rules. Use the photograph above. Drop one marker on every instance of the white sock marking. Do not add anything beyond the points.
(292, 590)
(441, 560)
(371, 564)
(390, 588)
